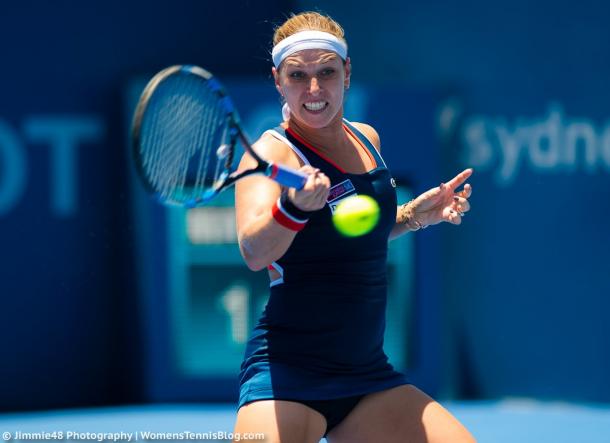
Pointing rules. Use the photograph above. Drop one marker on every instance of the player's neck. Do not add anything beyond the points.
(324, 139)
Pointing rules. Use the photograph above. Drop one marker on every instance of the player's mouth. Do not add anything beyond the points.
(315, 107)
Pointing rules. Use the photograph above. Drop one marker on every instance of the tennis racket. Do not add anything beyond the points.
(184, 134)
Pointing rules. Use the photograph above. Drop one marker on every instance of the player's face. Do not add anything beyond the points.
(313, 82)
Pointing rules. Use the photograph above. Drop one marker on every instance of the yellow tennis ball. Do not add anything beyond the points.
(356, 215)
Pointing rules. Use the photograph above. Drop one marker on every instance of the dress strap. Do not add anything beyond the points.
(280, 134)
(365, 142)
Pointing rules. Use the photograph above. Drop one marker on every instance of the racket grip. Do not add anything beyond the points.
(287, 176)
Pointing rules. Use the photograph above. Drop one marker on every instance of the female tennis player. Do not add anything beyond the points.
(314, 365)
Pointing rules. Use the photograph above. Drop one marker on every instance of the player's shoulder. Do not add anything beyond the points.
(370, 133)
(273, 149)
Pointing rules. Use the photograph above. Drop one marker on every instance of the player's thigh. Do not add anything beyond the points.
(399, 415)
(280, 421)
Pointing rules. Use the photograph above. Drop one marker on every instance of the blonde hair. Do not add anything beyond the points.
(307, 21)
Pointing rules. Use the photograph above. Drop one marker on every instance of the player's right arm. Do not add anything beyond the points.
(262, 240)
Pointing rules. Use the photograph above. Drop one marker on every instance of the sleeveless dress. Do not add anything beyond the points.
(320, 335)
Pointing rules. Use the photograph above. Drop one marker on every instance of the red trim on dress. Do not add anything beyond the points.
(309, 146)
(349, 131)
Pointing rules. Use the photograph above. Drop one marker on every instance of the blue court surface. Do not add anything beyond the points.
(514, 421)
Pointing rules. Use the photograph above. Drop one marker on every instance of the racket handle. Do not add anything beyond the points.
(287, 176)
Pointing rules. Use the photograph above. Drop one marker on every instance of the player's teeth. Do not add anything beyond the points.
(315, 106)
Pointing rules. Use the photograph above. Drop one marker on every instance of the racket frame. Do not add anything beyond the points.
(282, 174)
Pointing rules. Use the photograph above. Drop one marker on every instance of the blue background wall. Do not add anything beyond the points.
(522, 93)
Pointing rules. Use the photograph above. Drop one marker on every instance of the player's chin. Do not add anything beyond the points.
(317, 119)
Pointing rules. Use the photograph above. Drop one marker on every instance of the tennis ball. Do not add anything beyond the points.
(356, 215)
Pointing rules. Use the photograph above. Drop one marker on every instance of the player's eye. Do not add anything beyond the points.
(297, 75)
(327, 72)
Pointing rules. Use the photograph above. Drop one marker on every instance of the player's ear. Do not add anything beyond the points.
(276, 80)
(348, 72)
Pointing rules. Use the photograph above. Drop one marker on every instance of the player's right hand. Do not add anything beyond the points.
(315, 192)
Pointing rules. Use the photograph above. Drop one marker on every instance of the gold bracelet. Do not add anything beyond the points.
(409, 220)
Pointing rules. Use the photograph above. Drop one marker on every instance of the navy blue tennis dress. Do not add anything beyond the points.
(320, 336)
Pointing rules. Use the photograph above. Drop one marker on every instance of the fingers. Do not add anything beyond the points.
(457, 181)
(313, 195)
(466, 192)
(314, 179)
(452, 216)
(308, 169)
(321, 186)
(460, 205)
(311, 180)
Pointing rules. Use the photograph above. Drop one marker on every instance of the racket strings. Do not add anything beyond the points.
(184, 125)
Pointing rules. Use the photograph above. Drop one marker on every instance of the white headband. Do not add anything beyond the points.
(307, 40)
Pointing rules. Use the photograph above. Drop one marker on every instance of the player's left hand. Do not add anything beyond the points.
(444, 203)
